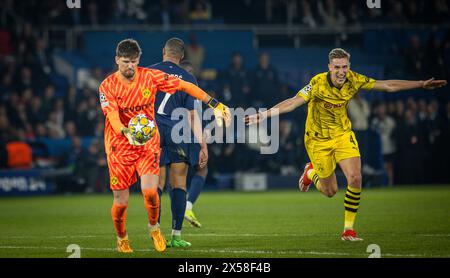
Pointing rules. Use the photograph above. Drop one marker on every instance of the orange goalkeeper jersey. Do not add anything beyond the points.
(130, 99)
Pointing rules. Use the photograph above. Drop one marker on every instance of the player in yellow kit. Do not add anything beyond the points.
(329, 139)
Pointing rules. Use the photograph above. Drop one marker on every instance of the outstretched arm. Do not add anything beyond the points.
(392, 86)
(196, 127)
(285, 106)
(221, 111)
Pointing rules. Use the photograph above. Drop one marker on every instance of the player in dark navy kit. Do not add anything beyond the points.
(178, 157)
(199, 177)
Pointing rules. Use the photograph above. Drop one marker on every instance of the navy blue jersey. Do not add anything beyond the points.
(166, 103)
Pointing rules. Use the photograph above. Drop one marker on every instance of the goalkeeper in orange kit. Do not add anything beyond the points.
(130, 91)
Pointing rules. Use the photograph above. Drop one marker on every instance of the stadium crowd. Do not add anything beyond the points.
(309, 13)
(414, 132)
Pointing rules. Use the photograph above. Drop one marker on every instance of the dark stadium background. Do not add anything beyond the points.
(52, 59)
(247, 53)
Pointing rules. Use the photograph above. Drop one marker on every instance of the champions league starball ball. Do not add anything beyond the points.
(142, 128)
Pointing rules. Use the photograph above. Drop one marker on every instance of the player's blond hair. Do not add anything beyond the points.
(338, 53)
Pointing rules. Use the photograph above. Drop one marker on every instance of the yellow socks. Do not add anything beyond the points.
(314, 177)
(351, 203)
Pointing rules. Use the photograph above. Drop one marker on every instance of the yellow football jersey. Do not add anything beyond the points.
(327, 105)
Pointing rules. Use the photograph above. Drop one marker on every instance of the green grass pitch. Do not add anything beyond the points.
(403, 221)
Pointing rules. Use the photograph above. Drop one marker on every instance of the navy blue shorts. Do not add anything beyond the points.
(175, 153)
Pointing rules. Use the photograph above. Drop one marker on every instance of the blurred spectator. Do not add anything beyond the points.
(359, 113)
(434, 144)
(70, 129)
(396, 14)
(422, 110)
(201, 10)
(71, 103)
(181, 12)
(412, 12)
(90, 167)
(90, 15)
(195, 52)
(94, 79)
(6, 47)
(446, 147)
(264, 82)
(410, 148)
(331, 15)
(306, 16)
(35, 112)
(118, 12)
(48, 100)
(41, 131)
(434, 58)
(414, 58)
(43, 59)
(5, 137)
(234, 82)
(411, 105)
(355, 15)
(385, 125)
(399, 111)
(54, 127)
(287, 153)
(25, 80)
(59, 110)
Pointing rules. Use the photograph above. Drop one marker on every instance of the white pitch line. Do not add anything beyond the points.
(231, 251)
(435, 235)
(214, 235)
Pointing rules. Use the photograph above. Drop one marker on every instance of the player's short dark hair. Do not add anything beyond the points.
(338, 53)
(128, 48)
(175, 47)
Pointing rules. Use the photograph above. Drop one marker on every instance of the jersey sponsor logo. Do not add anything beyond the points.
(114, 180)
(146, 93)
(305, 91)
(179, 76)
(134, 109)
(103, 101)
(328, 105)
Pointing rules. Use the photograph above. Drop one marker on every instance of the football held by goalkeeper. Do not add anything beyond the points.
(124, 94)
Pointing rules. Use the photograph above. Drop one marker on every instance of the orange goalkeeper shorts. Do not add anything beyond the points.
(122, 171)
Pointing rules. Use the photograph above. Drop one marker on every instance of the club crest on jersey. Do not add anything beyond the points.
(114, 180)
(103, 101)
(146, 93)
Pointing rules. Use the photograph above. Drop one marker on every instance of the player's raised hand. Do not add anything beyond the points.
(203, 157)
(126, 132)
(432, 84)
(254, 119)
(222, 114)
